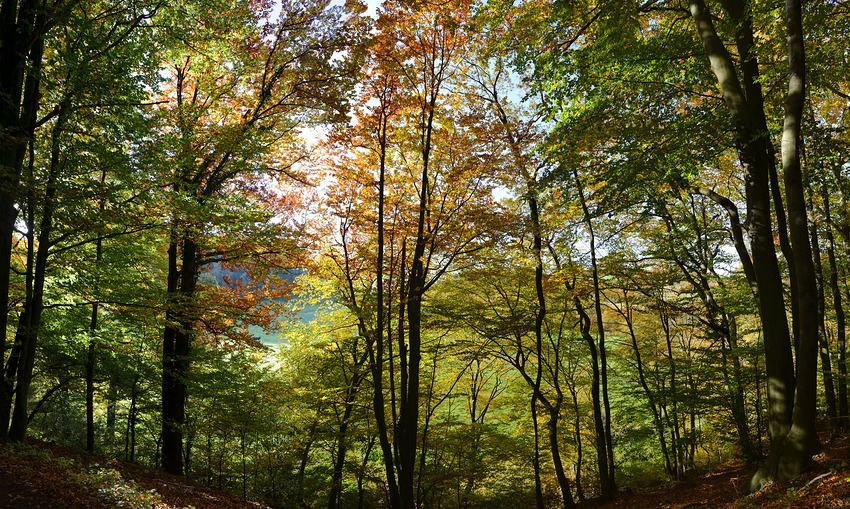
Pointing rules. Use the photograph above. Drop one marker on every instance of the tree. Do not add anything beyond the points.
(739, 80)
(77, 85)
(24, 31)
(231, 131)
(430, 197)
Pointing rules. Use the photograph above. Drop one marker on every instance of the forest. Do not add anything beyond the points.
(426, 253)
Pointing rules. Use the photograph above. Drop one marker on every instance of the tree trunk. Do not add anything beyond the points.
(90, 358)
(759, 406)
(111, 410)
(563, 482)
(11, 368)
(673, 458)
(535, 460)
(626, 313)
(598, 424)
(840, 319)
(342, 440)
(674, 396)
(791, 417)
(302, 467)
(362, 472)
(21, 50)
(130, 442)
(407, 434)
(376, 345)
(790, 456)
(176, 346)
(577, 430)
(190, 440)
(90, 361)
(823, 340)
(35, 306)
(750, 454)
(609, 484)
(538, 348)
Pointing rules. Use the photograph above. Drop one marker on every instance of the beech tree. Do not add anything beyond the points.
(57, 176)
(232, 120)
(738, 79)
(411, 204)
(24, 31)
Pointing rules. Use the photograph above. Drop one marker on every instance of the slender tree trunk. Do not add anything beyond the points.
(694, 265)
(609, 484)
(362, 472)
(90, 361)
(692, 439)
(111, 412)
(430, 407)
(563, 482)
(342, 439)
(599, 426)
(29, 335)
(302, 467)
(190, 442)
(209, 459)
(130, 448)
(843, 229)
(750, 454)
(21, 51)
(674, 396)
(539, 318)
(90, 358)
(823, 341)
(11, 368)
(840, 319)
(533, 205)
(176, 346)
(554, 410)
(535, 460)
(650, 399)
(577, 431)
(244, 469)
(735, 391)
(674, 445)
(376, 346)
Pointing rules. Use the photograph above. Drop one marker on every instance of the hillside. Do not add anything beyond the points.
(41, 475)
(825, 485)
(300, 310)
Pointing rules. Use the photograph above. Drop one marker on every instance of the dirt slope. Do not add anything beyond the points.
(40, 475)
(44, 476)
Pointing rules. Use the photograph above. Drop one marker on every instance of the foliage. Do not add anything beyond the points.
(494, 249)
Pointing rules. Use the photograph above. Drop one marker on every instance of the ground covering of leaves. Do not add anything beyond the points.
(37, 475)
(825, 485)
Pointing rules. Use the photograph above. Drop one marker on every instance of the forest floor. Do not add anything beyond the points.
(825, 485)
(38, 475)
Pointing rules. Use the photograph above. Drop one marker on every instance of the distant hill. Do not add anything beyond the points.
(214, 274)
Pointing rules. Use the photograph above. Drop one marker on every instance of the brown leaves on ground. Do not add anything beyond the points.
(43, 476)
(825, 485)
(38, 475)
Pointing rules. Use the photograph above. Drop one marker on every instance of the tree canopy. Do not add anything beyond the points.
(426, 254)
